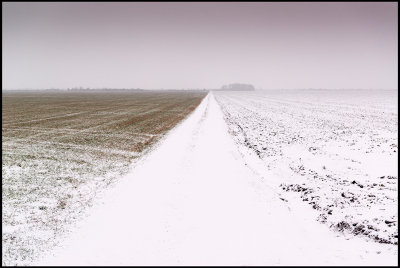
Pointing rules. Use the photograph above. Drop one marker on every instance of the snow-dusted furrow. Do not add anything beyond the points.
(194, 201)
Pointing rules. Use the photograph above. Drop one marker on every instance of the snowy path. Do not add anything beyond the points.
(193, 201)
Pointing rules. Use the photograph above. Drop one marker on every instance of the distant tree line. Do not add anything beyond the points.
(238, 87)
(104, 89)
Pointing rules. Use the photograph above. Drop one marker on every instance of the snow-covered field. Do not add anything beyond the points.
(199, 200)
(335, 150)
(60, 150)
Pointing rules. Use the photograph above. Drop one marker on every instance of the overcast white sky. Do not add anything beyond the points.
(200, 45)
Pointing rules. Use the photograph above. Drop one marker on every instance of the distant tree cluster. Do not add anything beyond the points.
(238, 87)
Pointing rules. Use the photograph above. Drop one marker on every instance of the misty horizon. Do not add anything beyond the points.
(200, 45)
(182, 89)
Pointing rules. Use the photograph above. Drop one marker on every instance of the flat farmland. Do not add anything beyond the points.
(333, 152)
(60, 149)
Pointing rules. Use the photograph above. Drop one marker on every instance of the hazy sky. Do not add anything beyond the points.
(200, 45)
